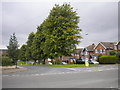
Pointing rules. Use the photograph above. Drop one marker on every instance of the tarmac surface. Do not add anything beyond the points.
(105, 76)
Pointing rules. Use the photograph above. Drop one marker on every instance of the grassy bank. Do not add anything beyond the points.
(68, 65)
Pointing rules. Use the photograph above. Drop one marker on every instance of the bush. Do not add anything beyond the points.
(59, 61)
(6, 61)
(52, 61)
(112, 52)
(99, 57)
(22, 62)
(107, 59)
(73, 62)
(118, 57)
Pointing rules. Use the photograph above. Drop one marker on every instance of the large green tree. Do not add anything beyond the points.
(61, 31)
(29, 51)
(22, 52)
(13, 49)
(38, 44)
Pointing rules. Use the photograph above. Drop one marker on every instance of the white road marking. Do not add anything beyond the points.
(72, 70)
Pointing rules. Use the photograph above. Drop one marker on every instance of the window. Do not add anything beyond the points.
(103, 50)
(96, 51)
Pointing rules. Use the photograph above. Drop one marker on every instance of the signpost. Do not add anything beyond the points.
(86, 63)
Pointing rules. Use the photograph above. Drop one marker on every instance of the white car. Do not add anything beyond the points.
(30, 62)
(95, 62)
(64, 63)
(49, 63)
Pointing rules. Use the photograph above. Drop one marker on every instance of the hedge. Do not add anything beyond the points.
(6, 61)
(118, 57)
(108, 59)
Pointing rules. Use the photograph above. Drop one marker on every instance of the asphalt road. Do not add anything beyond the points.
(50, 77)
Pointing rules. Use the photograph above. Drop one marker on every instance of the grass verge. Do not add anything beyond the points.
(68, 65)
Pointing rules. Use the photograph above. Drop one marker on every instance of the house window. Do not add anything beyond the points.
(96, 51)
(101, 51)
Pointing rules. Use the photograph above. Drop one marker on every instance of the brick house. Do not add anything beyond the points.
(117, 46)
(103, 48)
(93, 51)
(78, 53)
(88, 52)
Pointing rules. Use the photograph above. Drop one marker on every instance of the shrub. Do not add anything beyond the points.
(22, 62)
(118, 57)
(52, 61)
(6, 61)
(112, 52)
(59, 61)
(99, 57)
(107, 59)
(73, 61)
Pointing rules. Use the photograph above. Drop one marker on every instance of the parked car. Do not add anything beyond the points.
(80, 61)
(64, 63)
(72, 60)
(30, 62)
(95, 62)
(49, 63)
(92, 62)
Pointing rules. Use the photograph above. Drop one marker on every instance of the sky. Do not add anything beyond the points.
(99, 20)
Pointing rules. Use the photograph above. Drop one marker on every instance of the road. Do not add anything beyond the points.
(105, 76)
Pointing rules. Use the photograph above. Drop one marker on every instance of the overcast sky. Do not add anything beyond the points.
(97, 19)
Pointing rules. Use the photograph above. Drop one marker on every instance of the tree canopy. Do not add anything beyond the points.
(58, 34)
(61, 31)
(29, 42)
(13, 48)
(22, 52)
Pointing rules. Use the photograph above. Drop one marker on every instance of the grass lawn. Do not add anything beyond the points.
(68, 65)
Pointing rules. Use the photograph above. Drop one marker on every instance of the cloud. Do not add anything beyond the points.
(99, 20)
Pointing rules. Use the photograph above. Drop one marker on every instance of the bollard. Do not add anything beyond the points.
(86, 63)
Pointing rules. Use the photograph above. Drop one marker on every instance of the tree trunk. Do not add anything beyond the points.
(61, 58)
(34, 62)
(16, 64)
(44, 61)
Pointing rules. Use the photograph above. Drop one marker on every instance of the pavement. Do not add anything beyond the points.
(105, 76)
(11, 69)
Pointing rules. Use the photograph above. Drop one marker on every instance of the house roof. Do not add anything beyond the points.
(90, 47)
(117, 42)
(108, 45)
(78, 50)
